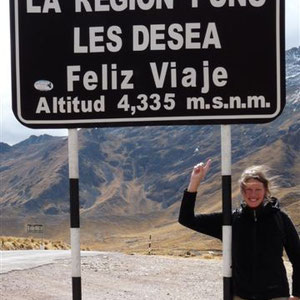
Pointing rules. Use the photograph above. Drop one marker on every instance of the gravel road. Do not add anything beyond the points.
(111, 276)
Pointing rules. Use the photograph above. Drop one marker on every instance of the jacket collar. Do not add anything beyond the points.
(268, 207)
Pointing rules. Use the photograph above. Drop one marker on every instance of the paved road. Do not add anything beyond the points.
(28, 259)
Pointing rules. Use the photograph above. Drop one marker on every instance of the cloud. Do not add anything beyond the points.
(13, 132)
(292, 23)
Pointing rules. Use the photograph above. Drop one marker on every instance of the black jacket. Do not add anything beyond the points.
(257, 247)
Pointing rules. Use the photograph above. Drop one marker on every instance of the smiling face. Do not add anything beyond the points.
(253, 193)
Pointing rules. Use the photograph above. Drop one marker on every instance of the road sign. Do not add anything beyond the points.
(92, 63)
(35, 228)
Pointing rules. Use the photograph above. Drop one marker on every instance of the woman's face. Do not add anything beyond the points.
(254, 193)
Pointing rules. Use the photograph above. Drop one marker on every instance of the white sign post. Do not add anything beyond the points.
(74, 212)
(227, 211)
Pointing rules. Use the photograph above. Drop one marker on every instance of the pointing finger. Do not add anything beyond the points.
(207, 165)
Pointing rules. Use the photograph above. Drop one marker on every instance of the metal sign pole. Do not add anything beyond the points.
(227, 211)
(74, 212)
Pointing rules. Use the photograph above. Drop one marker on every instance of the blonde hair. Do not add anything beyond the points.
(261, 174)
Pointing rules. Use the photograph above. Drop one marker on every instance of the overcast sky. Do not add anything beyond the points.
(11, 131)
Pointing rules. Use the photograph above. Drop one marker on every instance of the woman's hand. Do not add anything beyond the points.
(198, 175)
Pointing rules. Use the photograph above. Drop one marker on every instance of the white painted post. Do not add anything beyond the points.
(149, 248)
(74, 213)
(227, 211)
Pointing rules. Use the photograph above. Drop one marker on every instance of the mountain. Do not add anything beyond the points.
(293, 70)
(4, 147)
(132, 178)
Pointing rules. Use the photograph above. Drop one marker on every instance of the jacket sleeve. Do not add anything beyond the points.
(209, 224)
(292, 248)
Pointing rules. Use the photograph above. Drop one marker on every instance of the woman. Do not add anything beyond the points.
(260, 232)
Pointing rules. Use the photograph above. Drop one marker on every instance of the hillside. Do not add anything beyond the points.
(131, 179)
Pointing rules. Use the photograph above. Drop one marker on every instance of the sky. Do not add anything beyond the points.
(12, 132)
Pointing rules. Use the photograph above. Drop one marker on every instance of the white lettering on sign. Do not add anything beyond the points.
(157, 60)
(111, 78)
(232, 3)
(189, 76)
(175, 37)
(121, 5)
(70, 105)
(195, 3)
(232, 102)
(48, 5)
(152, 102)
(97, 43)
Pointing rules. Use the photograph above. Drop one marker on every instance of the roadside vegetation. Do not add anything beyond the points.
(19, 243)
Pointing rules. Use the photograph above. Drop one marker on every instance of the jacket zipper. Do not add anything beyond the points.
(254, 266)
(255, 217)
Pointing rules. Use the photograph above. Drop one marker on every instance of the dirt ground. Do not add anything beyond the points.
(111, 276)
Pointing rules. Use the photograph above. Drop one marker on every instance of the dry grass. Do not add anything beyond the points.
(129, 244)
(169, 240)
(19, 243)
